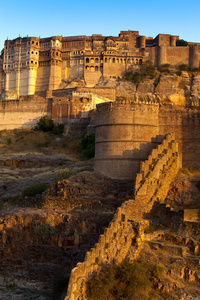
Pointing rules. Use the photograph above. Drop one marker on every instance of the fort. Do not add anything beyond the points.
(146, 136)
(32, 65)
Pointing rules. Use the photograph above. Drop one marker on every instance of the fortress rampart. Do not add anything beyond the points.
(123, 137)
(152, 184)
(27, 110)
(126, 133)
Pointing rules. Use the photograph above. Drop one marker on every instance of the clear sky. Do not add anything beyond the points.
(150, 17)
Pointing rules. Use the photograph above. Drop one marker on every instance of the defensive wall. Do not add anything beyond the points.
(123, 137)
(27, 110)
(152, 184)
(126, 132)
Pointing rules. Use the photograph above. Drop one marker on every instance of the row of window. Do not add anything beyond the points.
(92, 68)
(16, 65)
(135, 61)
(16, 45)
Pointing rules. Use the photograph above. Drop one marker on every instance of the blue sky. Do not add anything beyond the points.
(150, 17)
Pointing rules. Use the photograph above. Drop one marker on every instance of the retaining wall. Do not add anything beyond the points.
(152, 184)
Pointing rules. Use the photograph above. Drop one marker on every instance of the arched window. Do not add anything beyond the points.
(113, 60)
(96, 68)
(106, 60)
(92, 60)
(87, 60)
(140, 61)
(96, 60)
(92, 68)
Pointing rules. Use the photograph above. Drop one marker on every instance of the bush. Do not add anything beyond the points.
(147, 70)
(181, 42)
(126, 281)
(64, 174)
(8, 141)
(58, 129)
(184, 67)
(45, 124)
(34, 189)
(87, 146)
(165, 68)
(45, 232)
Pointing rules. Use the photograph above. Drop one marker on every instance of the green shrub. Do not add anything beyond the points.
(45, 124)
(181, 42)
(45, 232)
(184, 67)
(58, 129)
(34, 189)
(87, 146)
(126, 281)
(64, 174)
(157, 270)
(165, 68)
(8, 141)
(42, 145)
(147, 69)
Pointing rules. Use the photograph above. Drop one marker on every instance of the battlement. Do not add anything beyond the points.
(122, 233)
(128, 105)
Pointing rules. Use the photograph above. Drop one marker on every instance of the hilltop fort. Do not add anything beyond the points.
(31, 65)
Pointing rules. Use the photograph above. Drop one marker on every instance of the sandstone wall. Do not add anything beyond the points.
(42, 81)
(152, 184)
(23, 113)
(185, 124)
(125, 135)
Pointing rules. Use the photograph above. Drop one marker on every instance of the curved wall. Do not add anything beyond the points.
(125, 136)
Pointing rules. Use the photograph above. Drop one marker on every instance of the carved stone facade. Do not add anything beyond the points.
(30, 65)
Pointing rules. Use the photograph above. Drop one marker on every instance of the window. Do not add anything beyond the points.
(87, 60)
(96, 68)
(31, 61)
(36, 43)
(32, 52)
(32, 42)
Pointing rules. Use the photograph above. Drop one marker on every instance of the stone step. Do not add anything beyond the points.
(172, 249)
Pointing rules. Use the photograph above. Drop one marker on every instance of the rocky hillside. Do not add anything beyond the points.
(182, 89)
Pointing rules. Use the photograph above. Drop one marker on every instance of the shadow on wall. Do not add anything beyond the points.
(191, 140)
(127, 165)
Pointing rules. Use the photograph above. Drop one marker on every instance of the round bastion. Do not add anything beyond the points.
(125, 134)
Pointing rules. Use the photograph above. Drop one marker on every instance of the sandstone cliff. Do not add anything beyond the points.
(180, 90)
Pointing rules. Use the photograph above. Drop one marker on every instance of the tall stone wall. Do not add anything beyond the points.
(185, 124)
(125, 135)
(152, 184)
(23, 113)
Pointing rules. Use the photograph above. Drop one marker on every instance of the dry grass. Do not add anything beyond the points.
(26, 140)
